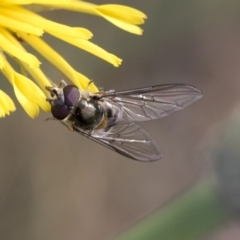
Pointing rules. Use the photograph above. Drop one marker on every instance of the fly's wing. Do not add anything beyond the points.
(150, 103)
(128, 139)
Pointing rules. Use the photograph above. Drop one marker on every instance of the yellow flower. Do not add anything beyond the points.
(19, 22)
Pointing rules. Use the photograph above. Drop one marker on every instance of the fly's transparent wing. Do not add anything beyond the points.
(150, 103)
(128, 139)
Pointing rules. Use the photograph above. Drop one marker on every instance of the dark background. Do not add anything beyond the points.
(55, 184)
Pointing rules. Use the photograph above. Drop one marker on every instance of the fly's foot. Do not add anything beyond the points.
(89, 83)
(68, 125)
(70, 128)
(51, 99)
(62, 84)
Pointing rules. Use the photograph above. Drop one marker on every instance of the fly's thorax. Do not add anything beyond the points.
(87, 114)
(88, 108)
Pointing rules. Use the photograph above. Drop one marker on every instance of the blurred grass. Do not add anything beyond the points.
(194, 214)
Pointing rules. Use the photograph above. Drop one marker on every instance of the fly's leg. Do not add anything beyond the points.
(89, 83)
(70, 128)
(111, 91)
(62, 84)
(51, 118)
(56, 92)
(68, 125)
(51, 99)
(103, 93)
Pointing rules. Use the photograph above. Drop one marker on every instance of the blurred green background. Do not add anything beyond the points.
(55, 184)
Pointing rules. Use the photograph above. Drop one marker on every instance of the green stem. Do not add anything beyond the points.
(196, 213)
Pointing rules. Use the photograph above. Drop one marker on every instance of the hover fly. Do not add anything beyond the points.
(108, 117)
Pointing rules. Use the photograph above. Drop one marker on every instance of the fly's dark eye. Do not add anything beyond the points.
(60, 111)
(71, 95)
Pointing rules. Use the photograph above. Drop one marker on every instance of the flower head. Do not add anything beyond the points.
(20, 22)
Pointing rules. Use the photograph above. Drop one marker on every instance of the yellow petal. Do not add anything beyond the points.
(124, 13)
(58, 61)
(7, 70)
(121, 16)
(16, 25)
(2, 112)
(41, 79)
(52, 56)
(85, 83)
(36, 73)
(29, 17)
(2, 62)
(123, 25)
(31, 90)
(92, 48)
(28, 94)
(6, 104)
(10, 48)
(45, 2)
(30, 108)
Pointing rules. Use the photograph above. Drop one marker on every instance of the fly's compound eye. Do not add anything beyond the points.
(60, 111)
(65, 101)
(71, 95)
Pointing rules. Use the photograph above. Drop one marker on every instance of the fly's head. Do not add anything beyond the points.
(62, 100)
